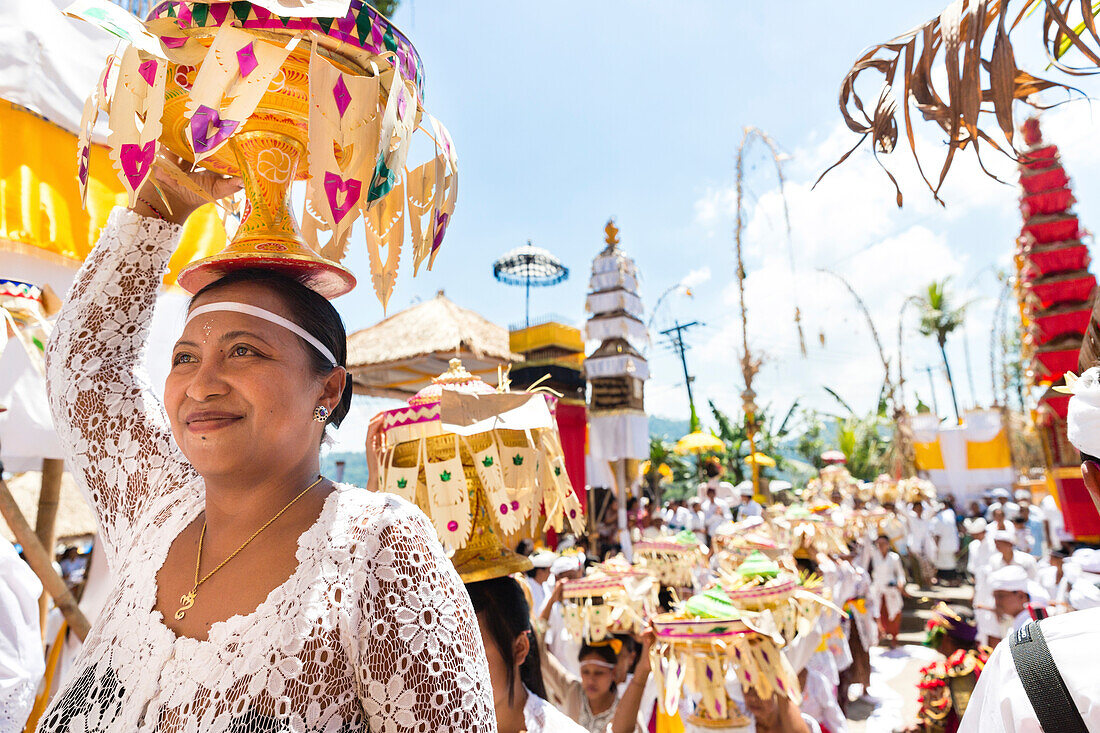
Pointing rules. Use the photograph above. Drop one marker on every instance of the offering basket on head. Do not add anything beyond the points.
(672, 560)
(481, 464)
(614, 599)
(277, 96)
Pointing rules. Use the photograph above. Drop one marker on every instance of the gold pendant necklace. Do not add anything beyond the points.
(187, 600)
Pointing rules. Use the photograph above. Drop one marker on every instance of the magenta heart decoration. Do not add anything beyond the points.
(148, 71)
(246, 59)
(135, 160)
(209, 130)
(351, 188)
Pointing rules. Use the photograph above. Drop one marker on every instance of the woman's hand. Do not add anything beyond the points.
(646, 639)
(180, 192)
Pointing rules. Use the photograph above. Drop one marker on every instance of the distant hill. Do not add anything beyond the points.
(355, 468)
(666, 428)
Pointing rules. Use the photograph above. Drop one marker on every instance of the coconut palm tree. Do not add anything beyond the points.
(939, 319)
(663, 466)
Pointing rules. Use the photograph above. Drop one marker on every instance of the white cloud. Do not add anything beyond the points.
(850, 225)
(696, 277)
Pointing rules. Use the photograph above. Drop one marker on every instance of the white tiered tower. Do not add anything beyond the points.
(618, 429)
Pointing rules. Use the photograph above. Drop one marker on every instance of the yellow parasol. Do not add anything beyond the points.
(698, 442)
(761, 460)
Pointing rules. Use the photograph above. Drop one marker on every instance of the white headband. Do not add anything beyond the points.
(597, 663)
(268, 316)
(1083, 416)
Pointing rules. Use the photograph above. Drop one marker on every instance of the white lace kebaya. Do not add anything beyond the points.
(373, 630)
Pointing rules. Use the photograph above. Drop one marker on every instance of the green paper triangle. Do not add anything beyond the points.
(242, 10)
(199, 14)
(326, 24)
(363, 25)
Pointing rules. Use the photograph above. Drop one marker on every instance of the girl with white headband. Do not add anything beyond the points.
(252, 593)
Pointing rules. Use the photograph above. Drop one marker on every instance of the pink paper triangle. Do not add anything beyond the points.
(148, 71)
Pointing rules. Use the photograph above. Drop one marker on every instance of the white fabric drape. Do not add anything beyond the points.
(21, 660)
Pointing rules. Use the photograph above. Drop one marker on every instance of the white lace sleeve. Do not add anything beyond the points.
(113, 428)
(420, 664)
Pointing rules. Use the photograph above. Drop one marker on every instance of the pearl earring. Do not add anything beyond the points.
(321, 413)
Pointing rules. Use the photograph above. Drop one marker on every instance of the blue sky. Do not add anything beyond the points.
(635, 110)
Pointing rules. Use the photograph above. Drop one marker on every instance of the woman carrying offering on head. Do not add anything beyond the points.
(595, 699)
(253, 594)
(519, 694)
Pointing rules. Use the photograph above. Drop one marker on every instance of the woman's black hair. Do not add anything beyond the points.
(502, 608)
(310, 310)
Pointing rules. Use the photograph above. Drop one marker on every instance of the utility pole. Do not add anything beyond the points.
(675, 337)
(932, 386)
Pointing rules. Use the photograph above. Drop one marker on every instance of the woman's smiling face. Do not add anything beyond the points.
(241, 391)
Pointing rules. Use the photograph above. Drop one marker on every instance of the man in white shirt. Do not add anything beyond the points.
(1056, 525)
(1003, 500)
(538, 578)
(1005, 555)
(979, 552)
(715, 511)
(945, 534)
(749, 507)
(1016, 598)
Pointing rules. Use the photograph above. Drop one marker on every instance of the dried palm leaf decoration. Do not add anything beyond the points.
(970, 44)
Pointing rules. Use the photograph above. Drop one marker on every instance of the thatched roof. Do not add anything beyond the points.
(74, 516)
(399, 356)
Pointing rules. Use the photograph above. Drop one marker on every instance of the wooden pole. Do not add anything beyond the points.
(41, 563)
(45, 523)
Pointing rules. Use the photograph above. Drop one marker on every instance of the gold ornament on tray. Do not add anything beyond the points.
(481, 464)
(272, 93)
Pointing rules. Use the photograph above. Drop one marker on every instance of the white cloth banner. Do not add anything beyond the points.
(26, 430)
(601, 329)
(614, 263)
(616, 366)
(611, 437)
(614, 300)
(609, 280)
(956, 476)
(49, 62)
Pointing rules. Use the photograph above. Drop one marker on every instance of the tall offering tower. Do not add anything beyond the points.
(618, 430)
(1055, 291)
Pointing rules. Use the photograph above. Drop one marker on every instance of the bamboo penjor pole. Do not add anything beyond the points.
(45, 521)
(42, 563)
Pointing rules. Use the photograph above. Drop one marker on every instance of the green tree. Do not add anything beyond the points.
(386, 7)
(661, 453)
(938, 319)
(734, 433)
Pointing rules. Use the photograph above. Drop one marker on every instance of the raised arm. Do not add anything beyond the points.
(419, 660)
(113, 428)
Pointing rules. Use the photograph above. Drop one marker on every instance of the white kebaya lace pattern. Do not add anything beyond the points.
(373, 631)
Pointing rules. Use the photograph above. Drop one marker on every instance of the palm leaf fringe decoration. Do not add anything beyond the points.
(977, 85)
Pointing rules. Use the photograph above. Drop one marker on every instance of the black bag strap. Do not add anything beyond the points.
(1043, 683)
